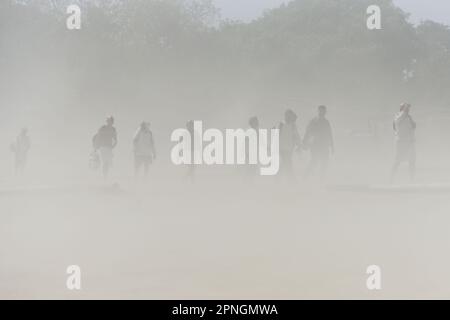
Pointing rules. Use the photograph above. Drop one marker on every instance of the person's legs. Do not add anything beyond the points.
(289, 167)
(106, 168)
(137, 165)
(146, 162)
(399, 157)
(313, 163)
(19, 164)
(282, 164)
(290, 173)
(412, 164)
(286, 166)
(106, 157)
(394, 170)
(323, 163)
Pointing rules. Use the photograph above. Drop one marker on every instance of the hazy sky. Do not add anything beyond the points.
(437, 10)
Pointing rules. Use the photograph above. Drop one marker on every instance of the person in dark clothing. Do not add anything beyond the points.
(144, 148)
(319, 140)
(104, 142)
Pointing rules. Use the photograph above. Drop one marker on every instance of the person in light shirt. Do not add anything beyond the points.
(405, 137)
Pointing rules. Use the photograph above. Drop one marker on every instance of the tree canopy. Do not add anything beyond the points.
(298, 52)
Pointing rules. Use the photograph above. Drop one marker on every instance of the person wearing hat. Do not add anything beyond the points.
(319, 140)
(404, 128)
(144, 148)
(104, 142)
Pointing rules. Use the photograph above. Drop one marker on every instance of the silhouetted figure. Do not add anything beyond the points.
(191, 167)
(319, 140)
(20, 149)
(290, 141)
(252, 170)
(104, 142)
(144, 148)
(405, 128)
(253, 122)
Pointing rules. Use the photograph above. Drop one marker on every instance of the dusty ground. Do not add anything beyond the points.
(223, 237)
(221, 240)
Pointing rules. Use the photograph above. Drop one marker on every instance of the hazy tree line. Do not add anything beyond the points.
(182, 50)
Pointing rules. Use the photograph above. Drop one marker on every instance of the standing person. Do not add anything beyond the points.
(20, 149)
(405, 132)
(252, 169)
(192, 167)
(290, 141)
(144, 148)
(319, 140)
(104, 142)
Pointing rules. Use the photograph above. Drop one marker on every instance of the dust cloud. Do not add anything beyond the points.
(225, 235)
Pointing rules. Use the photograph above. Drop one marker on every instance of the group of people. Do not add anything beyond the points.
(318, 140)
(105, 140)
